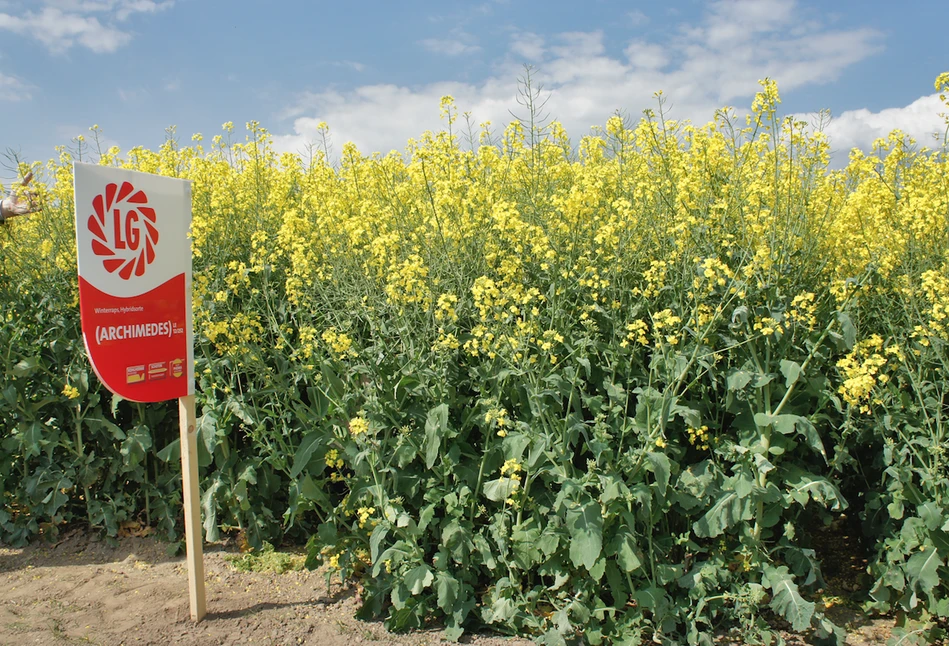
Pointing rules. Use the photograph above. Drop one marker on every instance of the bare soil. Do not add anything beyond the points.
(83, 590)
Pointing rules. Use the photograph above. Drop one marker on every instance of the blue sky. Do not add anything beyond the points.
(374, 70)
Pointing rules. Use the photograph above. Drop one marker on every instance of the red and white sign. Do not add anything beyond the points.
(135, 280)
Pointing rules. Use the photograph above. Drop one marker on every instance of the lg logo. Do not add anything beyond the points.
(123, 230)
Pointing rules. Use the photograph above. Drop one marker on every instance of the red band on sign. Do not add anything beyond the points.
(138, 346)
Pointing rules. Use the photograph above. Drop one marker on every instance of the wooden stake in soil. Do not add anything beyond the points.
(134, 258)
(192, 503)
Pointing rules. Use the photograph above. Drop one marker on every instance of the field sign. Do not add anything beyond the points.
(134, 257)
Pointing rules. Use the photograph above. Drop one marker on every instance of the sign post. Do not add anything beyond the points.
(134, 257)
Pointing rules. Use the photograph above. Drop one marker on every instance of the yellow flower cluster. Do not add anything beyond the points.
(498, 417)
(364, 517)
(512, 467)
(407, 283)
(863, 369)
(768, 326)
(698, 437)
(935, 287)
(333, 460)
(446, 341)
(637, 332)
(445, 308)
(711, 273)
(510, 471)
(654, 278)
(339, 343)
(358, 426)
(70, 391)
(803, 310)
(235, 336)
(663, 323)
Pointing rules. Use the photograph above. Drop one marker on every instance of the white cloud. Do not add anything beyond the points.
(63, 24)
(132, 95)
(13, 89)
(646, 56)
(703, 65)
(528, 46)
(353, 65)
(458, 44)
(637, 18)
(859, 128)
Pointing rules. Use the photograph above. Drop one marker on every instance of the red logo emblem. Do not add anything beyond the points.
(123, 229)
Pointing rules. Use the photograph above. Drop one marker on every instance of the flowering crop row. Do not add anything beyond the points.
(595, 391)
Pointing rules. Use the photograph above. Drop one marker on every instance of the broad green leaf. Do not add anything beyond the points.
(923, 569)
(209, 508)
(660, 468)
(791, 371)
(375, 541)
(399, 596)
(791, 424)
(763, 464)
(240, 410)
(336, 387)
(612, 488)
(206, 428)
(500, 489)
(425, 517)
(447, 588)
(26, 367)
(847, 329)
(618, 585)
(624, 547)
(728, 510)
(484, 551)
(172, 452)
(310, 491)
(762, 380)
(500, 610)
(46, 486)
(548, 542)
(419, 578)
(553, 637)
(328, 534)
(738, 379)
(785, 598)
(514, 445)
(931, 514)
(436, 424)
(33, 438)
(585, 525)
(457, 539)
(453, 633)
(653, 598)
(98, 422)
(137, 443)
(802, 486)
(308, 446)
(248, 474)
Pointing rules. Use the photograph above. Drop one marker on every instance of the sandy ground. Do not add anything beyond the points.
(84, 591)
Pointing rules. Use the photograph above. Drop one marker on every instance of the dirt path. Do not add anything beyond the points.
(84, 591)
